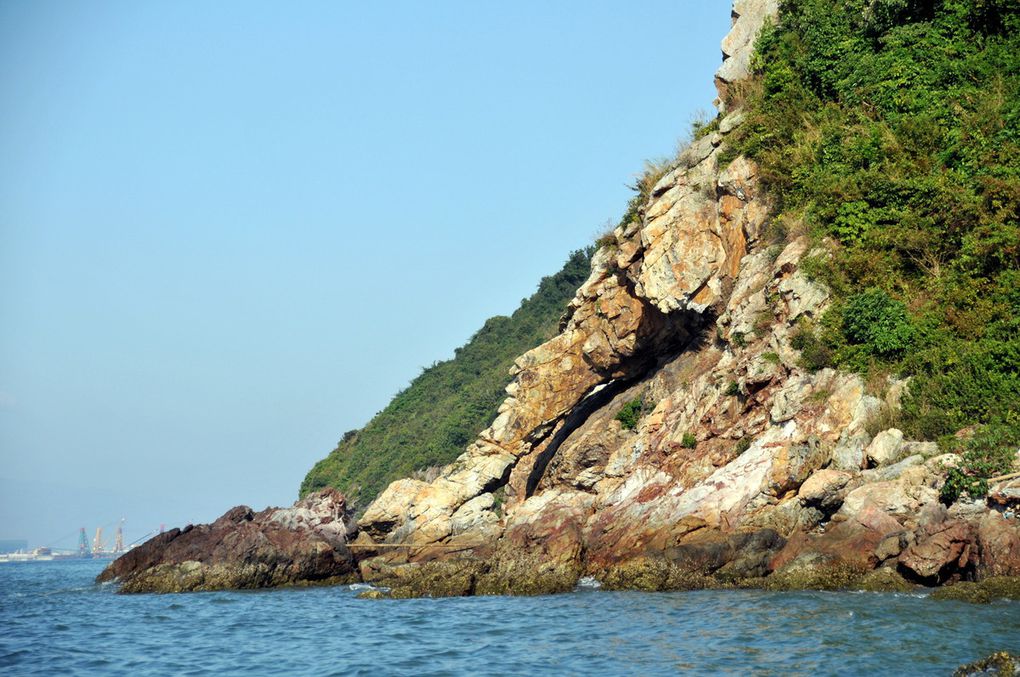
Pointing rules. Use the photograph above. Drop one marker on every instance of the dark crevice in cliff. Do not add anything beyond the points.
(667, 337)
(600, 396)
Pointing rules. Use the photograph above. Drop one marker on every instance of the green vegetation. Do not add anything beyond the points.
(643, 184)
(689, 441)
(431, 421)
(631, 413)
(732, 389)
(703, 124)
(890, 129)
(991, 452)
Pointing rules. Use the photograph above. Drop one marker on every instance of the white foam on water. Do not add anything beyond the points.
(360, 586)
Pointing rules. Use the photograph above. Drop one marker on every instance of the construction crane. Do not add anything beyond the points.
(83, 544)
(118, 543)
(97, 544)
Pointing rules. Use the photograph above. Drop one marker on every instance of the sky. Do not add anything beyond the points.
(231, 231)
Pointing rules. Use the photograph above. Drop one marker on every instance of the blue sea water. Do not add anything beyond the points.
(54, 620)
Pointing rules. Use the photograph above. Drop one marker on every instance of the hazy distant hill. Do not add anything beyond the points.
(430, 422)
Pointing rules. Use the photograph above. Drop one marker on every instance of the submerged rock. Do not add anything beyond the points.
(1001, 664)
(982, 592)
(302, 545)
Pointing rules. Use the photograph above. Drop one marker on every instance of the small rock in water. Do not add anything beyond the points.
(1001, 664)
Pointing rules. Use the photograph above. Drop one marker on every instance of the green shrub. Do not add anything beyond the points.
(853, 220)
(763, 323)
(630, 413)
(878, 323)
(732, 389)
(498, 499)
(991, 452)
(607, 240)
(814, 353)
(703, 124)
(689, 441)
(743, 445)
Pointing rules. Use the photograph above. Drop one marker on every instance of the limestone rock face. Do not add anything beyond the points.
(652, 294)
(743, 466)
(303, 544)
(738, 46)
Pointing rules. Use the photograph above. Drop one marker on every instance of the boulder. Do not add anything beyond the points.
(999, 545)
(824, 489)
(999, 664)
(886, 448)
(945, 555)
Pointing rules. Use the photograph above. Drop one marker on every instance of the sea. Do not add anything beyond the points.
(54, 620)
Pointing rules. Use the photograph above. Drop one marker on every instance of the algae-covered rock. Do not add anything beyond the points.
(1000, 664)
(1002, 587)
(963, 591)
(443, 578)
(817, 573)
(654, 574)
(885, 579)
(512, 573)
(983, 592)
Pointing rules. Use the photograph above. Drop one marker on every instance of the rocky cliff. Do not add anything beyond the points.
(668, 437)
(743, 467)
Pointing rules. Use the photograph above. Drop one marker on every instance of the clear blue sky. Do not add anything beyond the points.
(230, 231)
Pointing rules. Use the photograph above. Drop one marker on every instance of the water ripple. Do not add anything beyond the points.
(54, 620)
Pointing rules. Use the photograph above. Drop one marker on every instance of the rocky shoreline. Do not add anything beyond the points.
(311, 544)
(738, 466)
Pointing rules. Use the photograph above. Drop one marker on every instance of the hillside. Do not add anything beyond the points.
(889, 132)
(794, 364)
(431, 421)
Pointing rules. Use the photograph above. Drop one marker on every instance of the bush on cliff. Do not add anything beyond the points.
(431, 421)
(891, 128)
(990, 452)
(631, 413)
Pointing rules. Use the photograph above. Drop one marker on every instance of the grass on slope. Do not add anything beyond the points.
(433, 419)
